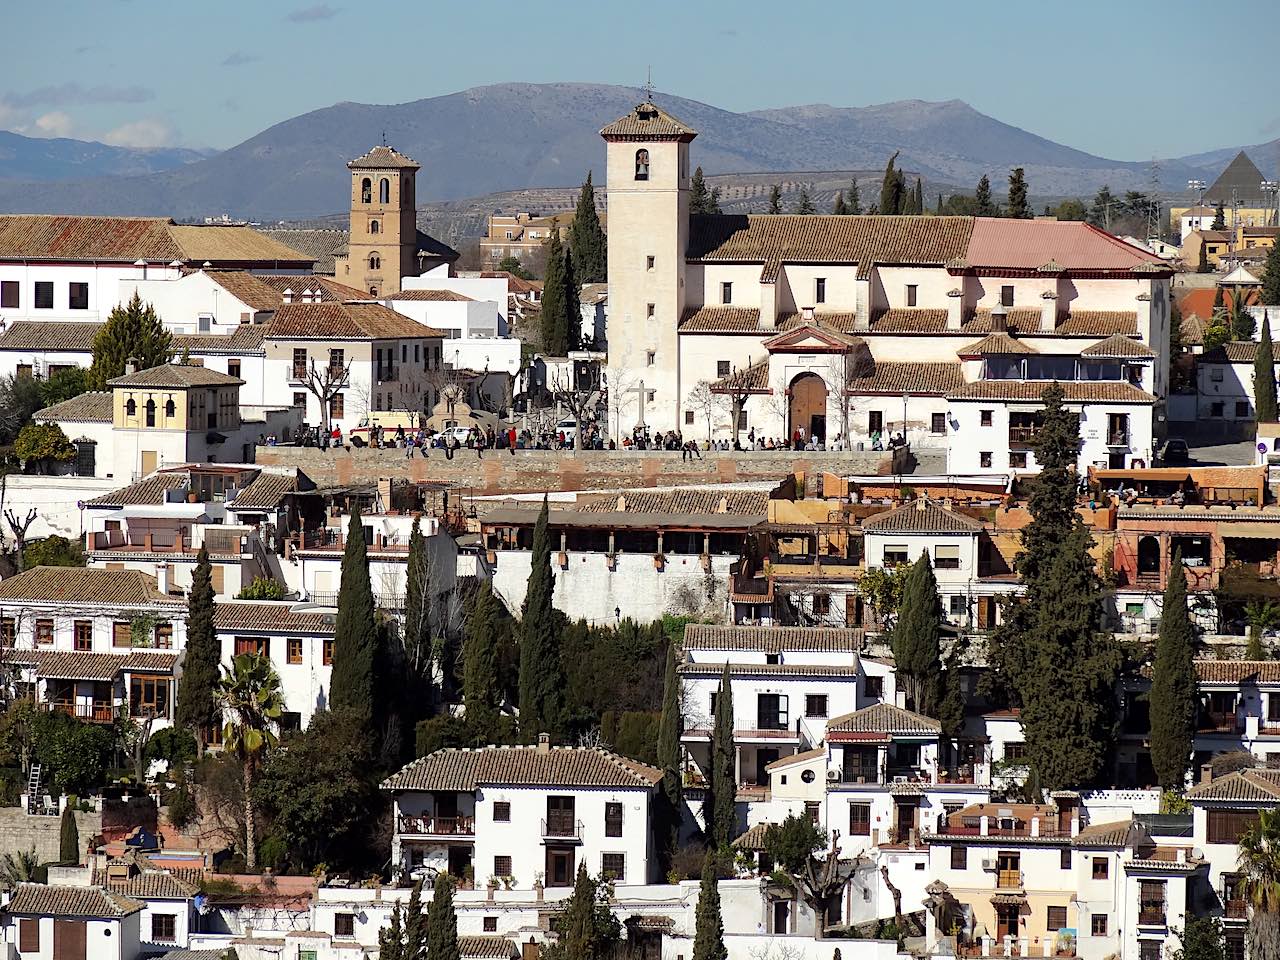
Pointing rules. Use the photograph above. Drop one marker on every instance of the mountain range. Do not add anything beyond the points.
(515, 136)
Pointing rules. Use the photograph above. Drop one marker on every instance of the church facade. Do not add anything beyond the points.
(850, 329)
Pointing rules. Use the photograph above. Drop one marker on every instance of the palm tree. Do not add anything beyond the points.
(249, 692)
(1260, 616)
(16, 868)
(1260, 884)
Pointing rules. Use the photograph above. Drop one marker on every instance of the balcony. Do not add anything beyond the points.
(1021, 438)
(299, 372)
(1151, 915)
(99, 711)
(1219, 723)
(1008, 879)
(437, 826)
(1235, 910)
(564, 829)
(1118, 438)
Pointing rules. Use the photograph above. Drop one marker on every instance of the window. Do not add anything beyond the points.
(613, 819)
(164, 927)
(150, 408)
(722, 368)
(1064, 860)
(808, 777)
(820, 290)
(650, 310)
(1216, 408)
(1148, 949)
(772, 712)
(1242, 408)
(821, 604)
(873, 688)
(171, 409)
(44, 295)
(1100, 868)
(8, 631)
(502, 865)
(122, 634)
(299, 364)
(688, 417)
(490, 924)
(9, 296)
(984, 418)
(164, 635)
(259, 645)
(83, 635)
(374, 226)
(1151, 902)
(1006, 295)
(366, 190)
(299, 398)
(306, 954)
(649, 263)
(875, 421)
(384, 190)
(344, 924)
(44, 631)
(501, 811)
(957, 605)
(375, 261)
(642, 164)
(1215, 374)
(911, 294)
(859, 819)
(293, 650)
(326, 654)
(984, 459)
(78, 296)
(726, 292)
(1228, 826)
(29, 936)
(714, 698)
(937, 423)
(148, 696)
(1017, 459)
(959, 858)
(613, 866)
(1015, 751)
(335, 406)
(651, 357)
(946, 556)
(895, 554)
(1055, 918)
(1098, 924)
(815, 705)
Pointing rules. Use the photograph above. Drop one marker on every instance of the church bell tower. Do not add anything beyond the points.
(383, 244)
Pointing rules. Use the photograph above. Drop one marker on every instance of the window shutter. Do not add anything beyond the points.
(29, 936)
(946, 551)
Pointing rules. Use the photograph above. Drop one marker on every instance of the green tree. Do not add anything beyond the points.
(1019, 206)
(1049, 653)
(1202, 262)
(249, 693)
(355, 632)
(1219, 219)
(1260, 615)
(1261, 884)
(775, 199)
(1264, 375)
(510, 264)
(587, 928)
(1100, 209)
(415, 926)
(77, 754)
(418, 621)
(804, 205)
(708, 931)
(1175, 330)
(839, 209)
(553, 296)
(1173, 698)
(542, 679)
(569, 326)
(722, 787)
(68, 838)
(884, 589)
(391, 937)
(64, 384)
(442, 922)
(891, 188)
(1271, 277)
(791, 843)
(262, 588)
(1216, 334)
(20, 867)
(917, 647)
(197, 707)
(1242, 323)
(1201, 940)
(52, 552)
(20, 397)
(41, 444)
(983, 205)
(853, 200)
(481, 681)
(132, 331)
(702, 199)
(586, 238)
(672, 799)
(1071, 209)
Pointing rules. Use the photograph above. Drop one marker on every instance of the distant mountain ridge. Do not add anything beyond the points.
(60, 158)
(516, 136)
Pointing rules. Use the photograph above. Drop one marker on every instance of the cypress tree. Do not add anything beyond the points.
(68, 839)
(569, 326)
(669, 763)
(542, 678)
(982, 205)
(891, 188)
(1048, 652)
(1019, 207)
(355, 631)
(1219, 219)
(938, 209)
(415, 926)
(775, 199)
(1173, 685)
(197, 707)
(916, 638)
(132, 331)
(553, 298)
(839, 208)
(1264, 375)
(417, 626)
(721, 813)
(1242, 323)
(804, 206)
(586, 238)
(586, 927)
(391, 939)
(853, 200)
(701, 200)
(708, 937)
(442, 922)
(1271, 277)
(1219, 306)
(481, 684)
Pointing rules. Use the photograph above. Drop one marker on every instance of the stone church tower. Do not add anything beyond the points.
(383, 245)
(647, 164)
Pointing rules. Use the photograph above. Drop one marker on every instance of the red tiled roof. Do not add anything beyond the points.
(82, 665)
(336, 321)
(1199, 302)
(910, 320)
(648, 121)
(996, 343)
(745, 638)
(120, 239)
(722, 320)
(1093, 391)
(898, 377)
(921, 516)
(1238, 671)
(882, 718)
(383, 157)
(1029, 244)
(58, 901)
(431, 296)
(57, 335)
(1120, 347)
(84, 585)
(273, 617)
(462, 769)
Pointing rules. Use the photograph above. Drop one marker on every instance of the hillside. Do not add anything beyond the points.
(58, 158)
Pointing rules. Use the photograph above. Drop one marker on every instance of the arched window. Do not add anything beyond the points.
(366, 190)
(373, 291)
(131, 407)
(642, 164)
(375, 262)
(384, 190)
(151, 413)
(374, 226)
(170, 409)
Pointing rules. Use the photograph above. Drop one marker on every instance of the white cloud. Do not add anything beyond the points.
(53, 124)
(148, 132)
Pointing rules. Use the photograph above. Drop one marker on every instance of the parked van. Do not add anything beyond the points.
(388, 420)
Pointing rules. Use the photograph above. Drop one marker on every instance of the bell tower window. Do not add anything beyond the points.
(131, 407)
(375, 262)
(366, 190)
(642, 164)
(151, 413)
(374, 226)
(384, 190)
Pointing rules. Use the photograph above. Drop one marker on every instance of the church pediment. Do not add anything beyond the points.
(810, 338)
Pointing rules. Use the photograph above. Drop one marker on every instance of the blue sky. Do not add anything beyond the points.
(1106, 77)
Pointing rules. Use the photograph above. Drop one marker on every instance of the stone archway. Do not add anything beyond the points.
(808, 407)
(1148, 556)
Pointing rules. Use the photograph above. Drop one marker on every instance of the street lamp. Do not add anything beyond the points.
(905, 396)
(1273, 187)
(1199, 187)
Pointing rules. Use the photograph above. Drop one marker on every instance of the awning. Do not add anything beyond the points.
(1008, 899)
(1163, 474)
(164, 511)
(1250, 531)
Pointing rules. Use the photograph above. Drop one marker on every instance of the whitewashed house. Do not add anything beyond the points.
(530, 813)
(46, 922)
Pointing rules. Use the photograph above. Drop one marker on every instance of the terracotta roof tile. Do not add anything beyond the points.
(59, 901)
(319, 244)
(898, 377)
(754, 379)
(58, 335)
(176, 376)
(1091, 391)
(245, 339)
(383, 157)
(246, 287)
(270, 617)
(910, 320)
(648, 121)
(83, 665)
(329, 289)
(795, 758)
(722, 320)
(479, 947)
(146, 492)
(465, 770)
(996, 343)
(335, 321)
(83, 585)
(1234, 351)
(218, 244)
(120, 239)
(700, 501)
(1099, 323)
(1238, 671)
(753, 839)
(701, 669)
(155, 885)
(701, 636)
(267, 491)
(1120, 347)
(1029, 244)
(432, 296)
(1018, 320)
(91, 407)
(882, 718)
(1096, 835)
(1247, 786)
(840, 322)
(921, 516)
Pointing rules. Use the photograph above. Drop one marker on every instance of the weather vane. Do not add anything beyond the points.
(648, 87)
(384, 137)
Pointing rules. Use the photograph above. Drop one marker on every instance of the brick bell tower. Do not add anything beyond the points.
(383, 244)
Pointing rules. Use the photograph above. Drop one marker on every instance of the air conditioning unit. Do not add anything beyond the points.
(989, 866)
(833, 775)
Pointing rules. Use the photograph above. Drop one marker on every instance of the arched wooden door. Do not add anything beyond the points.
(809, 406)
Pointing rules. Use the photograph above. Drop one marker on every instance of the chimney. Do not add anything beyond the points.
(141, 265)
(999, 319)
(544, 743)
(131, 366)
(1206, 773)
(287, 295)
(922, 503)
(306, 295)
(162, 577)
(806, 314)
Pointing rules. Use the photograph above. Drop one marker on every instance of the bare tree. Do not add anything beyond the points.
(136, 735)
(20, 528)
(707, 402)
(619, 386)
(325, 383)
(821, 878)
(581, 404)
